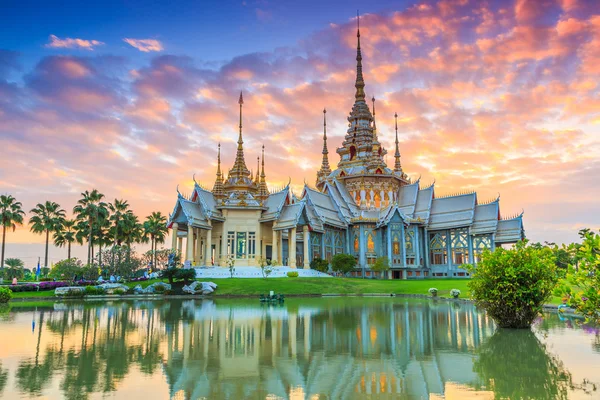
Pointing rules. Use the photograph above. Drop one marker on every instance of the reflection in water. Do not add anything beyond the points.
(306, 349)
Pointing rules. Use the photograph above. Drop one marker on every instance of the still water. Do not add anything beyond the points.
(334, 348)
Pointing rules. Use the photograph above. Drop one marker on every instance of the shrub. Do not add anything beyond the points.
(343, 263)
(433, 292)
(292, 274)
(186, 274)
(66, 269)
(513, 285)
(382, 264)
(319, 264)
(455, 293)
(170, 274)
(5, 295)
(51, 285)
(93, 291)
(74, 293)
(159, 288)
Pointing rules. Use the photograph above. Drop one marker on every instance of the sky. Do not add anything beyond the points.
(132, 98)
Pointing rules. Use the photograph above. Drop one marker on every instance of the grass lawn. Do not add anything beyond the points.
(316, 286)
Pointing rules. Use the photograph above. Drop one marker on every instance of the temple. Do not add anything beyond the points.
(362, 207)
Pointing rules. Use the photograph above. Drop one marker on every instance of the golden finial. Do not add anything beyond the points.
(397, 165)
(360, 82)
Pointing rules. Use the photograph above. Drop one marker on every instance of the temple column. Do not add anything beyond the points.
(403, 236)
(257, 245)
(198, 248)
(362, 250)
(292, 247)
(208, 252)
(389, 246)
(417, 245)
(174, 228)
(275, 247)
(180, 246)
(189, 245)
(280, 245)
(306, 238)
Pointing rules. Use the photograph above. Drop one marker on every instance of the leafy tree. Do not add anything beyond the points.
(132, 230)
(125, 264)
(118, 209)
(382, 264)
(47, 218)
(14, 268)
(265, 269)
(186, 274)
(14, 263)
(67, 269)
(587, 277)
(513, 284)
(89, 209)
(319, 264)
(155, 231)
(66, 235)
(343, 263)
(11, 215)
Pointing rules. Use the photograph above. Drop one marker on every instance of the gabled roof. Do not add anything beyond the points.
(314, 220)
(324, 207)
(452, 211)
(207, 200)
(423, 204)
(510, 230)
(274, 204)
(289, 216)
(190, 213)
(407, 198)
(387, 214)
(342, 199)
(486, 218)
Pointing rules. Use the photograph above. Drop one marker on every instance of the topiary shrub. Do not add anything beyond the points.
(319, 264)
(187, 275)
(292, 274)
(5, 295)
(170, 274)
(343, 263)
(513, 285)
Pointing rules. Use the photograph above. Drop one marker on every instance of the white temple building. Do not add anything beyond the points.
(363, 208)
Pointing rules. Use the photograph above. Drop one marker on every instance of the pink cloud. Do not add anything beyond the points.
(145, 45)
(70, 43)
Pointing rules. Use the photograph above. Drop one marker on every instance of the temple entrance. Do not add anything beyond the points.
(268, 252)
(396, 274)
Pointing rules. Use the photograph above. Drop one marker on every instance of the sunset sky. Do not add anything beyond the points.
(493, 96)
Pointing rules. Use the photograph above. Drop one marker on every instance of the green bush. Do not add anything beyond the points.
(343, 263)
(66, 269)
(93, 291)
(319, 264)
(5, 295)
(170, 274)
(292, 274)
(382, 264)
(186, 274)
(513, 285)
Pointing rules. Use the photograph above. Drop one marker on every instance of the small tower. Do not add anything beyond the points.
(240, 178)
(218, 186)
(263, 190)
(397, 165)
(325, 170)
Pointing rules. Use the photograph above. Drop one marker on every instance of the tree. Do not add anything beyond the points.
(88, 209)
(155, 230)
(66, 235)
(382, 264)
(14, 268)
(131, 230)
(11, 215)
(319, 264)
(67, 269)
(514, 284)
(343, 263)
(47, 218)
(586, 277)
(118, 209)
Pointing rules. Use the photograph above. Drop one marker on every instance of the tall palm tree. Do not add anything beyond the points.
(66, 235)
(48, 218)
(155, 230)
(101, 232)
(89, 208)
(132, 230)
(117, 209)
(11, 215)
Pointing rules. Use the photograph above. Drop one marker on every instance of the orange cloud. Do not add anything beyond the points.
(70, 43)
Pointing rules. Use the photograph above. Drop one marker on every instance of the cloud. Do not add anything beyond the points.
(70, 43)
(145, 45)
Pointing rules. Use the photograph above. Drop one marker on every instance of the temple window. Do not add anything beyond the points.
(356, 241)
(339, 242)
(438, 250)
(460, 246)
(328, 246)
(409, 245)
(251, 244)
(370, 243)
(480, 243)
(377, 200)
(230, 243)
(315, 243)
(240, 245)
(352, 152)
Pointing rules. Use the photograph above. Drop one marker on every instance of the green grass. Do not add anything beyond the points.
(318, 286)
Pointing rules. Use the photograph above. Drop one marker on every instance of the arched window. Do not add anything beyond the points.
(438, 252)
(352, 152)
(378, 171)
(377, 200)
(356, 244)
(370, 243)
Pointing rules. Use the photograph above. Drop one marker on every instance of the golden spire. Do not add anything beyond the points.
(263, 190)
(239, 170)
(325, 170)
(218, 186)
(360, 82)
(257, 179)
(397, 166)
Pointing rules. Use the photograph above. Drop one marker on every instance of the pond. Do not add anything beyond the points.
(307, 348)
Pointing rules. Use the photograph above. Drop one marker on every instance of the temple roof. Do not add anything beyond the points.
(423, 204)
(324, 207)
(407, 198)
(289, 216)
(452, 211)
(486, 218)
(510, 230)
(274, 204)
(189, 213)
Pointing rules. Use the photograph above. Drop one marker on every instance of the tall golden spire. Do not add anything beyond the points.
(257, 179)
(239, 169)
(263, 190)
(374, 124)
(325, 170)
(360, 82)
(218, 186)
(397, 166)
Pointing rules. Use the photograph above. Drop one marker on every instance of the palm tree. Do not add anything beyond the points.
(89, 208)
(117, 208)
(48, 217)
(155, 229)
(132, 230)
(66, 235)
(11, 215)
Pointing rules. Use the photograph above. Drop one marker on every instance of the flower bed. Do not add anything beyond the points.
(34, 287)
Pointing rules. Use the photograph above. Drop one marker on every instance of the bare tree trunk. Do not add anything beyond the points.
(3, 243)
(69, 250)
(46, 254)
(90, 251)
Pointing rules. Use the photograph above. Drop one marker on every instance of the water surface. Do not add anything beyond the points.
(314, 348)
